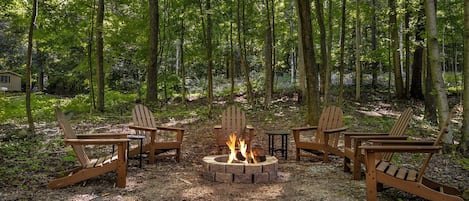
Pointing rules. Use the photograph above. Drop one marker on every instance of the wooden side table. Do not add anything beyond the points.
(284, 146)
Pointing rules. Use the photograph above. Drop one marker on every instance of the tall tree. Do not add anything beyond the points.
(342, 53)
(29, 59)
(416, 90)
(241, 23)
(434, 63)
(374, 64)
(322, 34)
(312, 89)
(396, 61)
(407, 48)
(152, 69)
(100, 54)
(268, 57)
(358, 41)
(209, 55)
(181, 49)
(465, 128)
(90, 51)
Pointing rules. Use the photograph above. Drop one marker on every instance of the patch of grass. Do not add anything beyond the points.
(464, 162)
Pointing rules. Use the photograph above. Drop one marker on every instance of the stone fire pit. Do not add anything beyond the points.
(217, 169)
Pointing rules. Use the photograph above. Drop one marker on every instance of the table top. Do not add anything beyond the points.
(135, 137)
(277, 132)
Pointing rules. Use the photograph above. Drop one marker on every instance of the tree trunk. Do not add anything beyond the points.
(312, 92)
(329, 52)
(342, 53)
(396, 62)
(268, 58)
(99, 55)
(357, 52)
(301, 65)
(232, 57)
(465, 127)
(374, 64)
(183, 67)
(209, 57)
(407, 49)
(322, 35)
(152, 69)
(90, 51)
(29, 58)
(242, 50)
(430, 108)
(435, 66)
(416, 90)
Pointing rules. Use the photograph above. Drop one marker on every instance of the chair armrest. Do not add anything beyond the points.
(95, 141)
(217, 127)
(304, 128)
(170, 128)
(143, 128)
(351, 134)
(402, 148)
(378, 137)
(401, 142)
(250, 127)
(101, 136)
(335, 130)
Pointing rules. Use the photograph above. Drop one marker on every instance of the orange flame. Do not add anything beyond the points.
(243, 146)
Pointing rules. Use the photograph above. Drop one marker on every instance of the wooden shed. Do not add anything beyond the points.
(10, 81)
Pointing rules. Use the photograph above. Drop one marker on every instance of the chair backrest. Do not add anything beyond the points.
(233, 120)
(142, 116)
(70, 134)
(331, 117)
(443, 131)
(399, 128)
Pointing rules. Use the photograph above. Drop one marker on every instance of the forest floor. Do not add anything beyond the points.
(169, 180)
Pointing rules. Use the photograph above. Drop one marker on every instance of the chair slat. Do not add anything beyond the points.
(382, 166)
(392, 170)
(402, 173)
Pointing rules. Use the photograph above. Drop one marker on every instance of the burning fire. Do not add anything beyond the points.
(242, 155)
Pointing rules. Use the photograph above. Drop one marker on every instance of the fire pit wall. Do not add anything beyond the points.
(216, 169)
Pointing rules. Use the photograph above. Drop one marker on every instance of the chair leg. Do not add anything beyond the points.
(356, 169)
(346, 164)
(178, 154)
(298, 154)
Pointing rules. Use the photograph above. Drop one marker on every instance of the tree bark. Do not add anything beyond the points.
(209, 56)
(374, 64)
(322, 35)
(100, 55)
(29, 58)
(357, 52)
(241, 42)
(396, 62)
(465, 128)
(434, 55)
(152, 69)
(183, 67)
(416, 90)
(342, 53)
(268, 58)
(312, 92)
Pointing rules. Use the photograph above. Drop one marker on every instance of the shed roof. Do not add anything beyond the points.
(10, 72)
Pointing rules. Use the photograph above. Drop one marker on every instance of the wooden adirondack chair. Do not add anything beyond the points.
(233, 121)
(354, 156)
(90, 168)
(144, 124)
(326, 138)
(380, 172)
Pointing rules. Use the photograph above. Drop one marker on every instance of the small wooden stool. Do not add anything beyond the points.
(284, 146)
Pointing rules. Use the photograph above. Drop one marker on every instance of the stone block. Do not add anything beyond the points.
(217, 168)
(270, 167)
(252, 169)
(261, 177)
(234, 168)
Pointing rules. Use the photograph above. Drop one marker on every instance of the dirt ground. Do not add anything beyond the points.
(169, 180)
